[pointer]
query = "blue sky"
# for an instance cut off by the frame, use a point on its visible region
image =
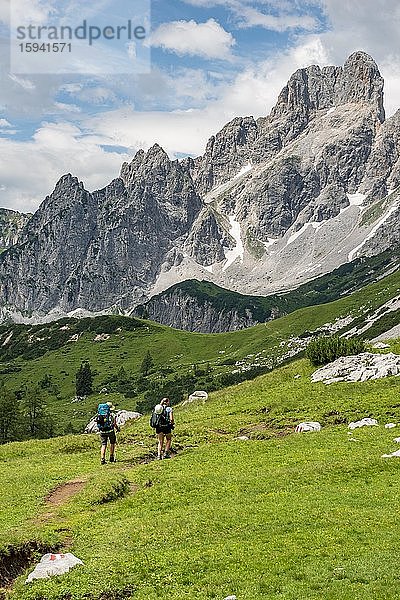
(211, 60)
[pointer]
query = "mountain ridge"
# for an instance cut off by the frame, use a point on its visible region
(203, 307)
(272, 204)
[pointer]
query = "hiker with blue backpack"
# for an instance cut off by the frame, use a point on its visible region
(162, 420)
(107, 426)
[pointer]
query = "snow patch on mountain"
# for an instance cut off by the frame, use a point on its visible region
(224, 187)
(244, 170)
(330, 112)
(238, 250)
(356, 199)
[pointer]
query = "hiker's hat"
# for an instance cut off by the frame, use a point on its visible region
(111, 405)
(158, 409)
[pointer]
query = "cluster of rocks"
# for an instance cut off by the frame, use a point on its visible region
(361, 367)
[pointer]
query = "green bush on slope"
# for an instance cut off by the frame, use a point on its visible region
(326, 349)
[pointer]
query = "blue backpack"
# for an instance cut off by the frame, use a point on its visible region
(104, 419)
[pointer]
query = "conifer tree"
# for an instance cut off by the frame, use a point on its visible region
(10, 416)
(38, 423)
(147, 364)
(84, 380)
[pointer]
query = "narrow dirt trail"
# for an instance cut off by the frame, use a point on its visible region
(59, 496)
(64, 492)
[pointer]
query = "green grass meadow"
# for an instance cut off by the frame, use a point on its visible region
(280, 516)
(179, 350)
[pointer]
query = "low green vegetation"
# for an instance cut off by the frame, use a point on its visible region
(326, 349)
(377, 209)
(277, 515)
(135, 362)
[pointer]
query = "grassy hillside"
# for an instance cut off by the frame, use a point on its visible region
(277, 516)
(29, 353)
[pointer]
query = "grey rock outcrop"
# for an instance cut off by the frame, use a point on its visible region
(208, 240)
(226, 153)
(361, 367)
(11, 225)
(176, 308)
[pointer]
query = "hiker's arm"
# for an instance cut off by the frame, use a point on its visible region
(171, 417)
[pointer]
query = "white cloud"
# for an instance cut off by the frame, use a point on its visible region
(26, 84)
(67, 107)
(25, 11)
(29, 170)
(247, 15)
(208, 40)
(251, 17)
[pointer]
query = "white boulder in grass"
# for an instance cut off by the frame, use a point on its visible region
(390, 425)
(392, 455)
(308, 426)
(53, 564)
(367, 422)
(121, 417)
(198, 395)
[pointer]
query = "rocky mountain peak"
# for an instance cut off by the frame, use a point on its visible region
(312, 88)
(263, 209)
(361, 81)
(67, 181)
(154, 161)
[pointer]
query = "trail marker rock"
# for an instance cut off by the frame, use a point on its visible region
(53, 564)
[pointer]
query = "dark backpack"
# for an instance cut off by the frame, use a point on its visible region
(159, 420)
(104, 419)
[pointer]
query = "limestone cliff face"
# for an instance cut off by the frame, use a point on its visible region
(177, 308)
(11, 225)
(272, 203)
(308, 92)
(97, 250)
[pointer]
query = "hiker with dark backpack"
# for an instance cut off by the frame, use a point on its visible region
(107, 425)
(162, 420)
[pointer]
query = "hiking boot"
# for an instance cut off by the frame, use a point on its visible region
(159, 457)
(113, 459)
(167, 455)
(103, 461)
